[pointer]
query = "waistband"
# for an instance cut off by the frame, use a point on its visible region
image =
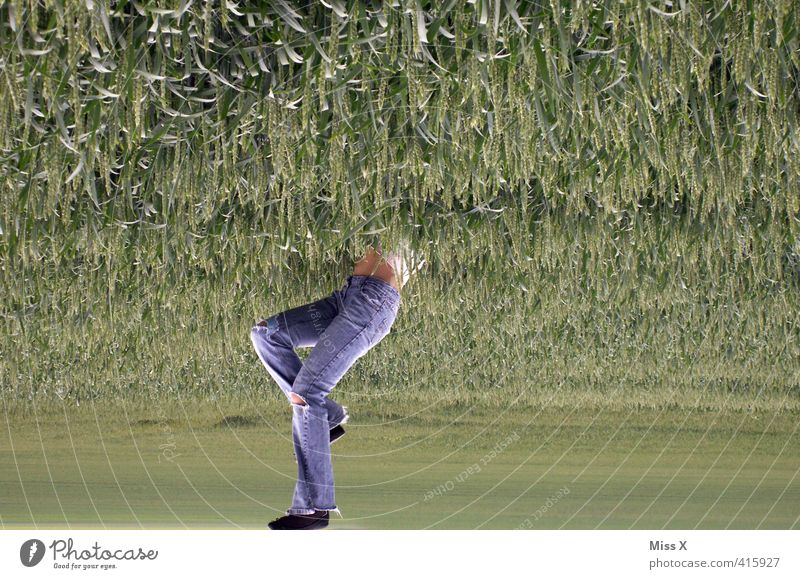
(386, 289)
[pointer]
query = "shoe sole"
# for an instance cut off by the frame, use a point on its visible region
(336, 433)
(315, 526)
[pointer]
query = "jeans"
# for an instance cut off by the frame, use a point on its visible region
(341, 328)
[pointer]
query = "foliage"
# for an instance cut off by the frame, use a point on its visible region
(604, 165)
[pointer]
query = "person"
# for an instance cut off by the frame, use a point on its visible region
(340, 328)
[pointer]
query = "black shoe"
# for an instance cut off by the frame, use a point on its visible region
(319, 520)
(336, 433)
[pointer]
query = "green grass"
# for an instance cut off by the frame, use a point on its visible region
(185, 466)
(638, 340)
(159, 141)
(604, 200)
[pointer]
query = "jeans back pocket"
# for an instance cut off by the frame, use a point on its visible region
(372, 295)
(382, 326)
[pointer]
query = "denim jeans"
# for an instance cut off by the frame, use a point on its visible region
(341, 328)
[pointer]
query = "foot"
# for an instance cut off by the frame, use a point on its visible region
(336, 433)
(319, 520)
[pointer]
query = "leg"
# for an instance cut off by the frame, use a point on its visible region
(348, 337)
(275, 338)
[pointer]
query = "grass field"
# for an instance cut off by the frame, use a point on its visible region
(231, 466)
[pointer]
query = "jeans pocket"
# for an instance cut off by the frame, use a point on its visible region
(382, 327)
(371, 295)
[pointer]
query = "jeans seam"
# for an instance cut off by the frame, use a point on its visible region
(389, 296)
(385, 287)
(389, 309)
(380, 309)
(288, 331)
(304, 445)
(388, 292)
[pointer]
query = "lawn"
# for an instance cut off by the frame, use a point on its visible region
(215, 465)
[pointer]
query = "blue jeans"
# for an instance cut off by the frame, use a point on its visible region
(341, 328)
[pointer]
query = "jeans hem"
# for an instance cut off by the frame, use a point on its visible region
(312, 511)
(299, 511)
